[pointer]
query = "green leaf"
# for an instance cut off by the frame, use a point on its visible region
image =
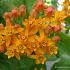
(63, 64)
(64, 53)
(67, 20)
(54, 3)
(24, 63)
(29, 4)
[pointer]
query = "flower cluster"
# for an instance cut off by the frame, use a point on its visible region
(66, 7)
(36, 37)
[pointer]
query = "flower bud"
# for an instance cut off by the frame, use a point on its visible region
(57, 28)
(14, 13)
(56, 39)
(49, 11)
(40, 5)
(1, 27)
(22, 10)
(33, 13)
(6, 15)
(16, 26)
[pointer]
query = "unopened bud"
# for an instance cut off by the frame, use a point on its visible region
(14, 13)
(22, 10)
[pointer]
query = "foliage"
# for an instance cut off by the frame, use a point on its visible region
(64, 48)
